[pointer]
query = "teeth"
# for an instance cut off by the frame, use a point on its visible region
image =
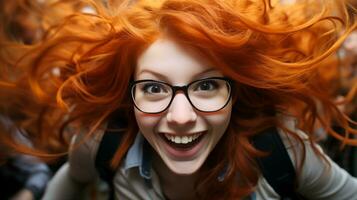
(195, 136)
(177, 139)
(189, 139)
(183, 139)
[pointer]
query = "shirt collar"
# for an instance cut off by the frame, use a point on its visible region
(139, 156)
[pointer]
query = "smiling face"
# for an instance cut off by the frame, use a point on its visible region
(181, 135)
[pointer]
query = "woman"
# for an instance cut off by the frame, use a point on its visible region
(193, 81)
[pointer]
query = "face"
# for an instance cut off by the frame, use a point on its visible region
(182, 136)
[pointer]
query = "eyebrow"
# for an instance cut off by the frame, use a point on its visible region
(164, 78)
(211, 69)
(158, 75)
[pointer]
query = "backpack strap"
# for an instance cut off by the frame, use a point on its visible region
(277, 167)
(107, 148)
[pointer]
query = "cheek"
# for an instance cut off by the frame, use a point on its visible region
(219, 121)
(146, 122)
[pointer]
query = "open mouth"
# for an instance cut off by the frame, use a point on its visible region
(182, 143)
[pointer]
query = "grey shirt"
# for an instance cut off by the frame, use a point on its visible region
(136, 180)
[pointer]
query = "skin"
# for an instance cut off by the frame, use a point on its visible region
(169, 62)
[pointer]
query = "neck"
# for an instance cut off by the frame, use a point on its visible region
(174, 186)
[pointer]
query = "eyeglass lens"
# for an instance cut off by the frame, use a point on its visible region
(206, 95)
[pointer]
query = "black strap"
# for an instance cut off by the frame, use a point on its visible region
(107, 148)
(277, 168)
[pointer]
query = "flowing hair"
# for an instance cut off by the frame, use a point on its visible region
(275, 53)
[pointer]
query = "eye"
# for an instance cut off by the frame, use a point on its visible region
(154, 88)
(206, 85)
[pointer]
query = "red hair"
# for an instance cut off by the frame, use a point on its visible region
(273, 52)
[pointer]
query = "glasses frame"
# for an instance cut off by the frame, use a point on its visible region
(183, 88)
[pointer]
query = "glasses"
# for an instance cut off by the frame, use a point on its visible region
(206, 95)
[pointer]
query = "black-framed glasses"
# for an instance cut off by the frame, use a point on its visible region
(206, 95)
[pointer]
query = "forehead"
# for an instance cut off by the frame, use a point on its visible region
(166, 59)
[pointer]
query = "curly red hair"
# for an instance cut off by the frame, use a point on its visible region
(274, 52)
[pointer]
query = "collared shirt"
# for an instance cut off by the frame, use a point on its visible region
(138, 162)
(139, 156)
(136, 180)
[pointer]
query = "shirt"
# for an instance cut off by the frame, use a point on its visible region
(136, 180)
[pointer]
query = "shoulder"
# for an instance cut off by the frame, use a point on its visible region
(319, 177)
(130, 185)
(82, 155)
(131, 180)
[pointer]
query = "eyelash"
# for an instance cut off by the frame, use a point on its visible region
(211, 83)
(147, 86)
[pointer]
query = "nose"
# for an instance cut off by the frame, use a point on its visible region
(181, 111)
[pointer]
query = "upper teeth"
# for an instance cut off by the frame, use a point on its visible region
(182, 139)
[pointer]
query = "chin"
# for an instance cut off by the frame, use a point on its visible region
(184, 167)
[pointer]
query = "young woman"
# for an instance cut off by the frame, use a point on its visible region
(192, 82)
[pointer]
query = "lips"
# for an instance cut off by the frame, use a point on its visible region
(183, 145)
